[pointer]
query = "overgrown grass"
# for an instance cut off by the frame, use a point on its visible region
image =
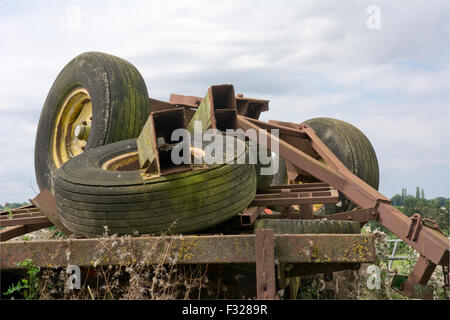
(167, 279)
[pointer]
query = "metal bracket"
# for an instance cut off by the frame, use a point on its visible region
(265, 264)
(414, 227)
(359, 215)
(415, 285)
(249, 215)
(155, 144)
(217, 109)
(248, 107)
(288, 198)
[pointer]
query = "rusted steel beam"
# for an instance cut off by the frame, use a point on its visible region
(298, 248)
(321, 149)
(360, 215)
(306, 211)
(21, 215)
(155, 142)
(250, 107)
(429, 242)
(29, 208)
(335, 163)
(12, 232)
(249, 215)
(217, 110)
(432, 244)
(46, 203)
(158, 105)
(24, 221)
(265, 264)
(314, 167)
(185, 100)
(269, 126)
(415, 285)
(295, 198)
(306, 187)
(422, 272)
(301, 186)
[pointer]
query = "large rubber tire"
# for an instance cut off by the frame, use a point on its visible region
(89, 197)
(298, 226)
(352, 148)
(120, 106)
(263, 181)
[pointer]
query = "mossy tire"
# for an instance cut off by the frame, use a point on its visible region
(300, 226)
(352, 148)
(120, 106)
(263, 181)
(89, 197)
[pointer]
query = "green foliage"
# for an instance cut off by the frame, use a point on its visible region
(436, 209)
(397, 200)
(13, 205)
(28, 286)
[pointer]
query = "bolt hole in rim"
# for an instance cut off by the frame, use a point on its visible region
(72, 126)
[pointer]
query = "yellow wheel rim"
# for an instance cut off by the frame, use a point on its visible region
(72, 126)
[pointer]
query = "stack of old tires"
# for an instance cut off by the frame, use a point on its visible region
(86, 155)
(87, 131)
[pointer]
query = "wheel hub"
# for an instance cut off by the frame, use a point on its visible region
(72, 126)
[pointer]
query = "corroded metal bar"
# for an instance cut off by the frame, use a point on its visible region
(46, 203)
(429, 242)
(265, 264)
(155, 142)
(295, 198)
(21, 215)
(295, 248)
(12, 232)
(249, 215)
(420, 275)
(23, 221)
(360, 215)
(217, 109)
(24, 209)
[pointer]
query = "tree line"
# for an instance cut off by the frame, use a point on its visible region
(436, 209)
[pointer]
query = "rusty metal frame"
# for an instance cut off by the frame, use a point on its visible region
(359, 215)
(249, 107)
(288, 198)
(217, 109)
(28, 218)
(249, 215)
(428, 242)
(192, 249)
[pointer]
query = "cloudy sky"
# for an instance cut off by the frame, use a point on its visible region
(388, 77)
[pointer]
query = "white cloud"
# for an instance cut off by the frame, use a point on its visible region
(310, 59)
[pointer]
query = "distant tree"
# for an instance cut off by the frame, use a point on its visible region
(397, 200)
(422, 196)
(441, 201)
(417, 193)
(410, 205)
(12, 205)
